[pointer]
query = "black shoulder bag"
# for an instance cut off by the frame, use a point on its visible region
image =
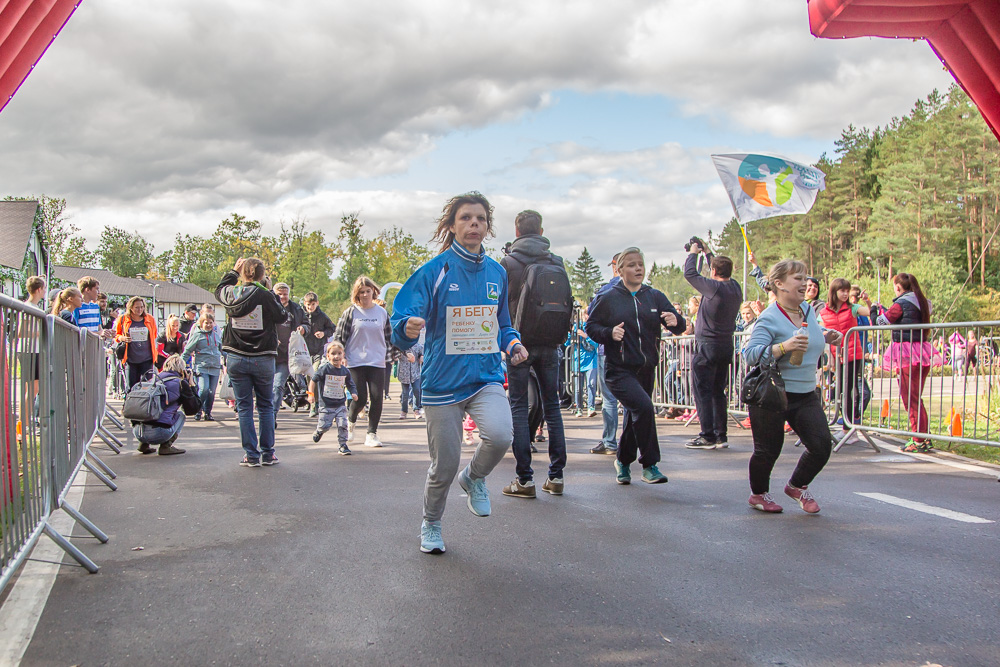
(764, 387)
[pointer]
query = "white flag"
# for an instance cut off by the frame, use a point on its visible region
(763, 186)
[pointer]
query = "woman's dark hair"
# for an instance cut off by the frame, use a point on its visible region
(443, 233)
(837, 284)
(909, 283)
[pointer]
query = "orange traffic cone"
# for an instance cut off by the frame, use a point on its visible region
(885, 410)
(956, 425)
(19, 430)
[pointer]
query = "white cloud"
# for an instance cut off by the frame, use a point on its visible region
(166, 118)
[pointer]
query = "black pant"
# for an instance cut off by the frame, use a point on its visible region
(136, 371)
(858, 392)
(710, 376)
(370, 381)
(633, 387)
(805, 415)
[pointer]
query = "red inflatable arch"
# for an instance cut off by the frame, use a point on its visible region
(965, 35)
(27, 27)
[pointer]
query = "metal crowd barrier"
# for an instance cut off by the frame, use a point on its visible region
(48, 424)
(923, 381)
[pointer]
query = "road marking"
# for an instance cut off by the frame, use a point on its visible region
(24, 606)
(926, 509)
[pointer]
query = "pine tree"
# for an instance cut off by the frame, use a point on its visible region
(586, 276)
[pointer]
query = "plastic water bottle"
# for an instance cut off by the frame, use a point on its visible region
(795, 358)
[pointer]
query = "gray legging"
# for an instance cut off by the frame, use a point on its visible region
(370, 381)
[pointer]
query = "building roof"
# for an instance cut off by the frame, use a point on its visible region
(166, 291)
(16, 224)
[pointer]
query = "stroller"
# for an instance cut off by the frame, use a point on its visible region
(295, 393)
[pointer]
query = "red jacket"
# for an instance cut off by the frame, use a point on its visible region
(842, 321)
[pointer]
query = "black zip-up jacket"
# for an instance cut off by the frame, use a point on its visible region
(641, 314)
(254, 302)
(318, 321)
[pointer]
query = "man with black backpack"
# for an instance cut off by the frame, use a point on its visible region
(541, 305)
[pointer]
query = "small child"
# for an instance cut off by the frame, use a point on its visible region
(469, 427)
(329, 381)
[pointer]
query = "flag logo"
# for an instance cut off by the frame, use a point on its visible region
(763, 186)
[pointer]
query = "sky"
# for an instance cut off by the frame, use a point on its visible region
(166, 118)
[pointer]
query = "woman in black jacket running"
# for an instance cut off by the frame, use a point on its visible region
(626, 320)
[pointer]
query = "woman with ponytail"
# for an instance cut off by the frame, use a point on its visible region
(910, 353)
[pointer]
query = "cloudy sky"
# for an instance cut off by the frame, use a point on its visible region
(167, 117)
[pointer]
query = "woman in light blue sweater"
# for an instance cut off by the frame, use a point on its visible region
(788, 332)
(204, 343)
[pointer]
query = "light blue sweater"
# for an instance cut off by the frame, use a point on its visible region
(771, 328)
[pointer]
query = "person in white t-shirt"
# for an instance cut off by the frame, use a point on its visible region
(364, 332)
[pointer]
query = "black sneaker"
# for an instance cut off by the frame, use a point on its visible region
(197, 417)
(699, 443)
(317, 435)
(270, 460)
(344, 451)
(209, 418)
(601, 448)
(534, 450)
(248, 462)
(722, 443)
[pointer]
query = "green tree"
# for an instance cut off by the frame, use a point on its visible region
(77, 253)
(304, 261)
(351, 249)
(586, 276)
(124, 254)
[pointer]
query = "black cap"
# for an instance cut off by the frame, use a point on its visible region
(191, 307)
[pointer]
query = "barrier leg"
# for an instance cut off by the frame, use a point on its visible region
(69, 548)
(102, 465)
(114, 420)
(100, 475)
(737, 420)
(85, 522)
(110, 440)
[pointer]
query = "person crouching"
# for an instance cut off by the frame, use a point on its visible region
(167, 427)
(327, 390)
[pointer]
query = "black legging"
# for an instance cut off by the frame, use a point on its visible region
(136, 371)
(805, 415)
(370, 381)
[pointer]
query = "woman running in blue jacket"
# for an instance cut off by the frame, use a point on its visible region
(460, 296)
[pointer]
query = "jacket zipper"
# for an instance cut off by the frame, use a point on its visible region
(635, 303)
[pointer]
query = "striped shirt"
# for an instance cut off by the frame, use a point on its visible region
(88, 316)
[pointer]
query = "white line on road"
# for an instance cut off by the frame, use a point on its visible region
(926, 509)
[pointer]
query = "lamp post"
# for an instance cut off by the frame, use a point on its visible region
(878, 278)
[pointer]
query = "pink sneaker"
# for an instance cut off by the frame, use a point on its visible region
(803, 498)
(745, 423)
(765, 503)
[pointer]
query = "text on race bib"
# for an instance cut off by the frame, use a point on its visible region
(138, 334)
(472, 330)
(252, 321)
(333, 387)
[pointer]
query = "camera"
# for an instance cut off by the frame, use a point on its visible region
(695, 239)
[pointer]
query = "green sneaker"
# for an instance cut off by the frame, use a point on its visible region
(624, 476)
(652, 475)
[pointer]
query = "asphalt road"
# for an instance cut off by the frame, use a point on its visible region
(316, 562)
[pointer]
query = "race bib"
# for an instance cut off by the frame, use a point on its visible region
(472, 330)
(139, 334)
(252, 321)
(333, 388)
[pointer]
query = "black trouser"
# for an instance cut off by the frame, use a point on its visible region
(710, 376)
(858, 394)
(805, 415)
(136, 371)
(370, 381)
(535, 410)
(633, 387)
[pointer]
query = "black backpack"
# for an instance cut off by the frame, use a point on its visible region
(545, 306)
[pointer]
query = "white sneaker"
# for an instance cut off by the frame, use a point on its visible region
(350, 432)
(371, 440)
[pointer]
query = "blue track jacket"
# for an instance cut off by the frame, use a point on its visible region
(451, 285)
